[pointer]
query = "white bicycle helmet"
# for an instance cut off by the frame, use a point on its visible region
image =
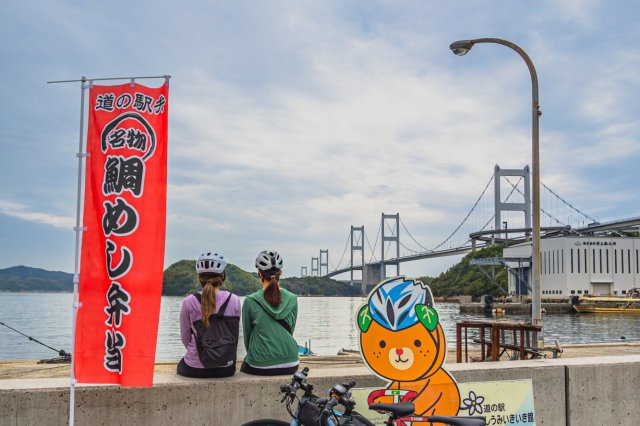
(211, 262)
(268, 259)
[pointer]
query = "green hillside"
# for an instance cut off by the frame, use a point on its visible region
(465, 279)
(181, 278)
(319, 286)
(24, 278)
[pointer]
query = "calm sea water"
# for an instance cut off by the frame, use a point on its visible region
(327, 322)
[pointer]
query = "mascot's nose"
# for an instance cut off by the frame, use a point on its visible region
(399, 352)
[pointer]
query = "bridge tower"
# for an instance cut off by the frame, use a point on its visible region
(324, 262)
(303, 271)
(357, 245)
(524, 207)
(314, 267)
(392, 222)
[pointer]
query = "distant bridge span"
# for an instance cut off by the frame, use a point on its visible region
(483, 225)
(409, 258)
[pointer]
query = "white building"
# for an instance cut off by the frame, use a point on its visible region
(569, 266)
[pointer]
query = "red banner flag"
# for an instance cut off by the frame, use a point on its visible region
(123, 246)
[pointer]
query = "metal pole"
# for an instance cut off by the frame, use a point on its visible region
(76, 274)
(383, 267)
(536, 306)
(506, 234)
(83, 79)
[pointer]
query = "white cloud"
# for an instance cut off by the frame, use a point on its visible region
(291, 122)
(23, 212)
(581, 12)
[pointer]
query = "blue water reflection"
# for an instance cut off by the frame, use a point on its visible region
(327, 322)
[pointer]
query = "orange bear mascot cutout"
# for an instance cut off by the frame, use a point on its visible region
(402, 341)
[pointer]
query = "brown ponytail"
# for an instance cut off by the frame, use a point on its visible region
(272, 290)
(210, 283)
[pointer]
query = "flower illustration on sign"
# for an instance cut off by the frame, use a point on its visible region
(473, 403)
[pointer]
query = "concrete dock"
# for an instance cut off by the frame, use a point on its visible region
(588, 385)
(30, 369)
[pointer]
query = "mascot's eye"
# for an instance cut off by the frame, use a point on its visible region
(417, 343)
(383, 343)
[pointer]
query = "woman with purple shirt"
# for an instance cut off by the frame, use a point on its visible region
(210, 268)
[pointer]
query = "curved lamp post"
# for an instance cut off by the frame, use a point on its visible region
(461, 48)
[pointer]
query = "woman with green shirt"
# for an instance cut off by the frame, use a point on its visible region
(268, 320)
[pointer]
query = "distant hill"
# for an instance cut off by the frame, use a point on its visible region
(24, 278)
(181, 278)
(319, 286)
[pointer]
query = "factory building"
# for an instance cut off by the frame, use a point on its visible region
(599, 266)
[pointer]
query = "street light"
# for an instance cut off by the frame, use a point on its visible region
(461, 48)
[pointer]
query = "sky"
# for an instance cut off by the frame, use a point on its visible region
(290, 121)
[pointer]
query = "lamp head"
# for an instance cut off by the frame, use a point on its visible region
(461, 47)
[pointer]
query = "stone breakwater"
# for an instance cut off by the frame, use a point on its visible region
(583, 390)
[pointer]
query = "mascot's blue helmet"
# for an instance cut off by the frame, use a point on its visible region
(392, 304)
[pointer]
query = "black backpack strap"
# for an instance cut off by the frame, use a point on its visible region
(222, 308)
(282, 322)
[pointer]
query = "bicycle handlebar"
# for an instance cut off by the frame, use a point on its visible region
(297, 382)
(339, 395)
(326, 412)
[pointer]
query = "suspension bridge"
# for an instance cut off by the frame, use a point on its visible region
(482, 225)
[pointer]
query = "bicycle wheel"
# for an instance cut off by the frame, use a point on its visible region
(267, 422)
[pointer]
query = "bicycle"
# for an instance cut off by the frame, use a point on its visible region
(308, 408)
(316, 411)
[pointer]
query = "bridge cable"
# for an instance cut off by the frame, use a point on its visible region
(541, 209)
(568, 203)
(488, 222)
(456, 230)
(410, 249)
(389, 242)
(565, 203)
(414, 240)
(388, 248)
(466, 217)
(343, 253)
(329, 261)
(373, 250)
(493, 216)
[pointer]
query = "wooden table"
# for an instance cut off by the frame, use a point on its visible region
(497, 338)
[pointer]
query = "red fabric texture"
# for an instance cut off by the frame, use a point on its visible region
(122, 256)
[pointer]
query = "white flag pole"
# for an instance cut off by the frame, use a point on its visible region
(76, 274)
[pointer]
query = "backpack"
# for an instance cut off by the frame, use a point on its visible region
(217, 345)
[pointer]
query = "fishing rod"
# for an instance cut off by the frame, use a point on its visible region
(62, 353)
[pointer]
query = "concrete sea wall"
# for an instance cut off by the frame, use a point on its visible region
(574, 391)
